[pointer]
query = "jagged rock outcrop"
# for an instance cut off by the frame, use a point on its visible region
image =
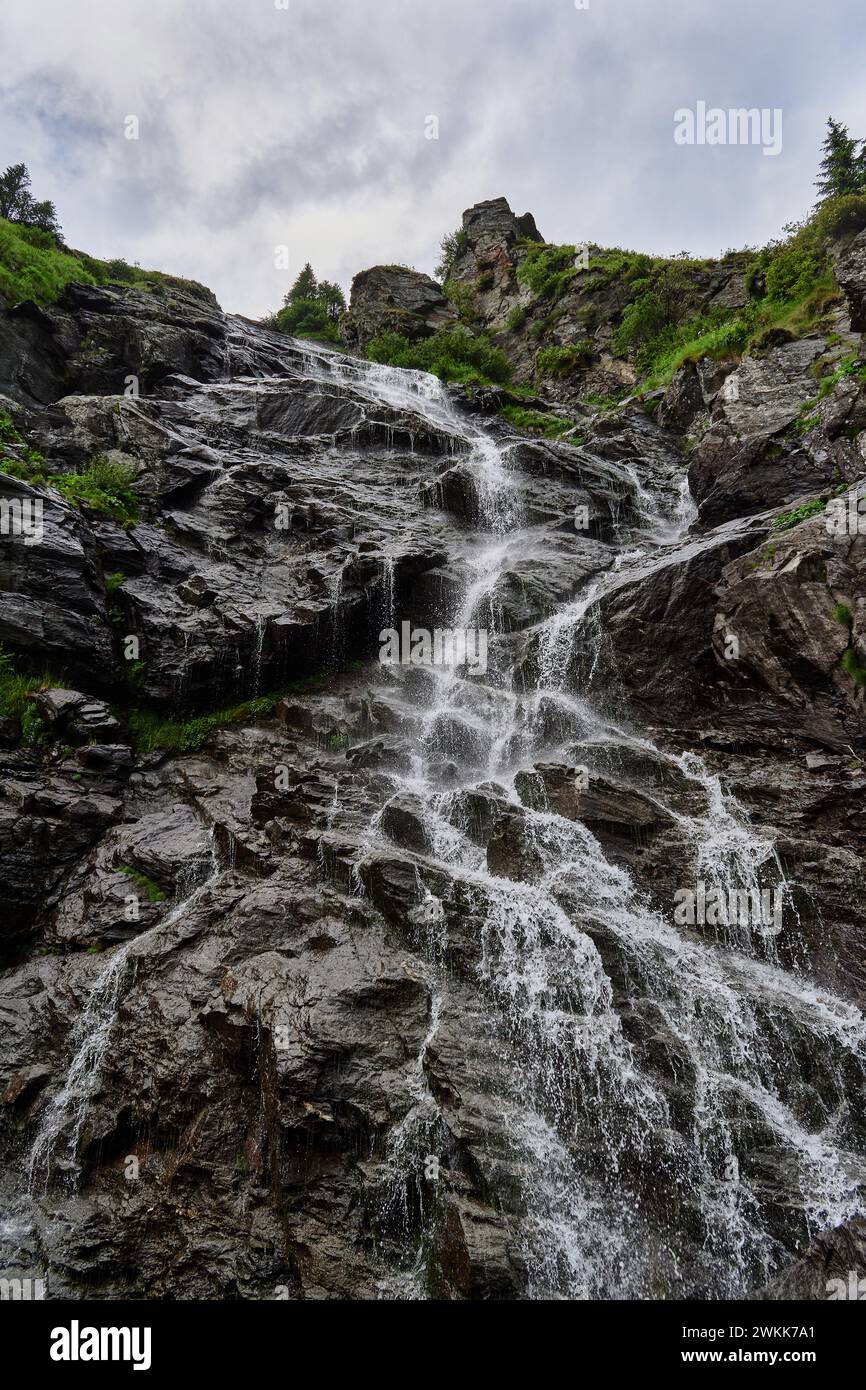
(761, 448)
(95, 339)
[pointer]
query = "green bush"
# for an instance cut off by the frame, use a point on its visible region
(664, 299)
(789, 519)
(307, 318)
(451, 247)
(105, 485)
(538, 422)
(449, 354)
(15, 688)
(841, 216)
(796, 266)
(562, 361)
(462, 297)
(547, 270)
(852, 665)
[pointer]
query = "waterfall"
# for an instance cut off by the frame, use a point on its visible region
(66, 1114)
(759, 1056)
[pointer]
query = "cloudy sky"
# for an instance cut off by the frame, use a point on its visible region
(304, 123)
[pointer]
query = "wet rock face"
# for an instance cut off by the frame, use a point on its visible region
(96, 338)
(745, 463)
(834, 1268)
(375, 990)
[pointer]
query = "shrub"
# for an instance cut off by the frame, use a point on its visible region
(104, 486)
(562, 361)
(851, 664)
(538, 422)
(666, 298)
(796, 266)
(306, 318)
(15, 688)
(842, 216)
(842, 613)
(462, 297)
(789, 519)
(449, 354)
(516, 318)
(451, 247)
(547, 270)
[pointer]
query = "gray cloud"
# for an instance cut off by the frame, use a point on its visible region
(305, 126)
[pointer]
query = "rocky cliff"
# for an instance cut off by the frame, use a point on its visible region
(329, 978)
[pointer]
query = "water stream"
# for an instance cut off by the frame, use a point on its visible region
(674, 1112)
(761, 1070)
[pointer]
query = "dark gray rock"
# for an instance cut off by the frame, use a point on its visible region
(394, 299)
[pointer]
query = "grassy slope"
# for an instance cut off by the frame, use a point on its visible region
(34, 266)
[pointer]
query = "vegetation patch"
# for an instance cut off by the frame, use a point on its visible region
(852, 665)
(547, 270)
(152, 732)
(152, 890)
(789, 519)
(34, 264)
(16, 687)
(452, 246)
(539, 422)
(311, 309)
(563, 361)
(462, 296)
(104, 486)
(450, 354)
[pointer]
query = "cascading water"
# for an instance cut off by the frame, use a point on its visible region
(65, 1117)
(578, 964)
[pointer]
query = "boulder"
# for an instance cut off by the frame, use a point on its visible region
(394, 299)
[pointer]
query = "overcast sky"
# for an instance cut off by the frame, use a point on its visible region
(306, 126)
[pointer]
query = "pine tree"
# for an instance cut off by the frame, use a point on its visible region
(332, 299)
(843, 166)
(14, 191)
(17, 204)
(305, 287)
